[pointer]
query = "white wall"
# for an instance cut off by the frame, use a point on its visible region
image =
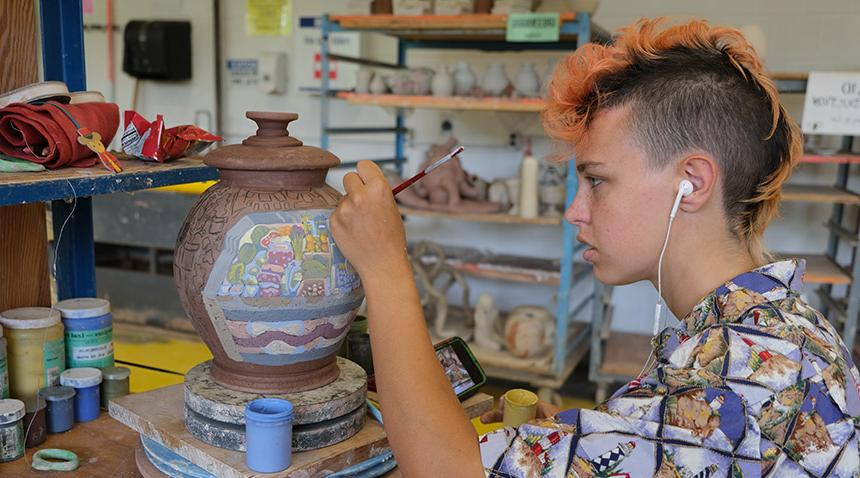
(801, 36)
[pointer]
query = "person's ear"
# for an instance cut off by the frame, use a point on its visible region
(701, 170)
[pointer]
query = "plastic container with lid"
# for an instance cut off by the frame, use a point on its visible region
(85, 381)
(60, 412)
(36, 354)
(88, 327)
(34, 421)
(4, 368)
(11, 429)
(114, 384)
(269, 434)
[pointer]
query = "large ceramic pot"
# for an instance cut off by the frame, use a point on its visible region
(256, 267)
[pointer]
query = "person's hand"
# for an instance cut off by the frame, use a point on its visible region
(544, 410)
(366, 226)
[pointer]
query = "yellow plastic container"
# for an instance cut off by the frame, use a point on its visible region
(36, 350)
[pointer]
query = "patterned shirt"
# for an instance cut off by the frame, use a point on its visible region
(754, 382)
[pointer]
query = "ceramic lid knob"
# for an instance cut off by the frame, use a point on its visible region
(271, 129)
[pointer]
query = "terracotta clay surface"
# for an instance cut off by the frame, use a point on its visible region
(257, 270)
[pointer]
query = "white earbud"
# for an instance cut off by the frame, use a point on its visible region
(685, 188)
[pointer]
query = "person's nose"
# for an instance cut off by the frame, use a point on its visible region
(579, 213)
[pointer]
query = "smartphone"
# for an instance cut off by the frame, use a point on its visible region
(460, 365)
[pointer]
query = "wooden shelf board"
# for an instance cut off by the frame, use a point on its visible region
(503, 267)
(830, 159)
(497, 218)
(464, 103)
(625, 354)
(818, 193)
(394, 23)
(21, 188)
(503, 361)
(820, 269)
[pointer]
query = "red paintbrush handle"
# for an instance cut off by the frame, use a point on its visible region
(408, 182)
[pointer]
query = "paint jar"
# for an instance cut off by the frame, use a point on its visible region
(60, 412)
(4, 368)
(35, 430)
(114, 384)
(360, 351)
(89, 332)
(36, 353)
(85, 381)
(269, 434)
(11, 429)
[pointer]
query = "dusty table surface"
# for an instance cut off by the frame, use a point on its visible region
(104, 446)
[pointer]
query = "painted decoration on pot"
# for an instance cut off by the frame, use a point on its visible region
(287, 264)
(257, 270)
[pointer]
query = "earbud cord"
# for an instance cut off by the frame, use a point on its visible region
(658, 309)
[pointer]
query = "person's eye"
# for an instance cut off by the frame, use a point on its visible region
(594, 182)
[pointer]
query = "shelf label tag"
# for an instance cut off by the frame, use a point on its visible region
(832, 104)
(533, 27)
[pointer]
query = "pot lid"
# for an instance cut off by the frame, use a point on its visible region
(271, 148)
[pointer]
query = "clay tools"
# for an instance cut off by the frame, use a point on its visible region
(427, 170)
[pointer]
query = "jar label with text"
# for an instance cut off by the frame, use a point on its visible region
(4, 378)
(90, 348)
(54, 360)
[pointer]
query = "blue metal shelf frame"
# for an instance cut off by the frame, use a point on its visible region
(582, 28)
(63, 60)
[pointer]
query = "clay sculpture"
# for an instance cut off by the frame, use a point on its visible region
(448, 188)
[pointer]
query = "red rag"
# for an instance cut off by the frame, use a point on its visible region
(44, 134)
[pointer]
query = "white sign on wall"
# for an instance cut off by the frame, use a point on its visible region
(307, 66)
(832, 104)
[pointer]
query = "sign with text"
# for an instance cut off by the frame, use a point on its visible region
(533, 27)
(832, 104)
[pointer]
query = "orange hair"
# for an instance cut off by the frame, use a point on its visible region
(597, 77)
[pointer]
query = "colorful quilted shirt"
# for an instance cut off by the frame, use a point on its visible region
(754, 382)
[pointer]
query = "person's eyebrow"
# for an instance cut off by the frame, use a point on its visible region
(583, 166)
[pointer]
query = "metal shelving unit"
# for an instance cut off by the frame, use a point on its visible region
(481, 32)
(70, 190)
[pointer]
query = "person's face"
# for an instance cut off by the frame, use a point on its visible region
(622, 205)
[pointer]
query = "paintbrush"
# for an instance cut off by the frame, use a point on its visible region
(427, 170)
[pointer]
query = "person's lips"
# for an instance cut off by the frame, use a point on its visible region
(590, 250)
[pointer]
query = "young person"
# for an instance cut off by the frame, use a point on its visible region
(753, 382)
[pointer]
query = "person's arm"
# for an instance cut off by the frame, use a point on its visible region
(426, 425)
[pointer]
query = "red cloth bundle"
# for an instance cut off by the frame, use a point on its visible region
(44, 134)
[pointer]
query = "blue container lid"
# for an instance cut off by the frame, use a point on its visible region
(83, 308)
(269, 410)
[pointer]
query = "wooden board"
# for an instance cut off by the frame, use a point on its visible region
(20, 188)
(625, 354)
(820, 269)
(464, 103)
(477, 21)
(158, 414)
(818, 193)
(23, 234)
(497, 218)
(104, 446)
(830, 159)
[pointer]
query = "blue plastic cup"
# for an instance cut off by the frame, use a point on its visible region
(269, 434)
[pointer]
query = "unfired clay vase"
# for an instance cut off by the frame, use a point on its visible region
(378, 86)
(464, 79)
(527, 83)
(256, 268)
(443, 83)
(495, 80)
